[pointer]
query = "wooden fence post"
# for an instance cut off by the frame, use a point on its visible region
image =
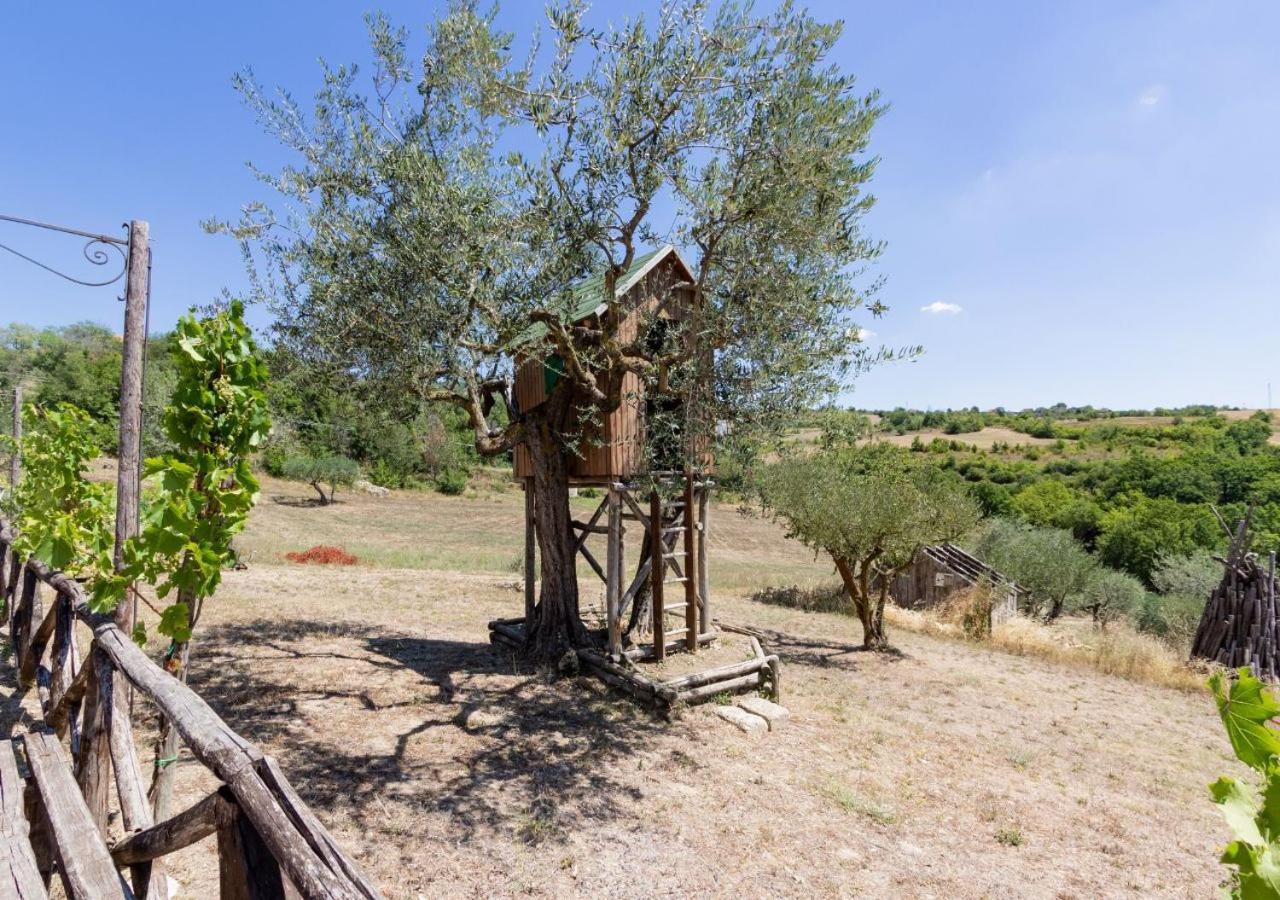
(246, 868)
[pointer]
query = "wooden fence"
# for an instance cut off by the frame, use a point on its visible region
(269, 843)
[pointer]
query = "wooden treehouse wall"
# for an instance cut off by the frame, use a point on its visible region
(614, 450)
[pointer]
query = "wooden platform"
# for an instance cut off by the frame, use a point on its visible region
(761, 671)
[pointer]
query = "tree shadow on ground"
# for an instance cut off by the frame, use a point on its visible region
(819, 652)
(362, 718)
(301, 502)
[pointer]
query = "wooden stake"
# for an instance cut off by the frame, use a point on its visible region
(691, 630)
(704, 588)
(657, 573)
(613, 585)
(530, 554)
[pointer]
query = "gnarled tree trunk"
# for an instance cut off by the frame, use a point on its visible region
(557, 624)
(870, 610)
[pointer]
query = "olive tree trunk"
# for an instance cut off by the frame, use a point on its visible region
(870, 609)
(557, 625)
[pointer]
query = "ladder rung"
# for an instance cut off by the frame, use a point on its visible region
(675, 530)
(679, 632)
(675, 581)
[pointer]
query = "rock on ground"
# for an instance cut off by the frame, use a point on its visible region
(776, 716)
(743, 720)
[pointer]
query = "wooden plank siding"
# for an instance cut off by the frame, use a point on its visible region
(616, 449)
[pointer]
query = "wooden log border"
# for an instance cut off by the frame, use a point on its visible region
(759, 672)
(261, 822)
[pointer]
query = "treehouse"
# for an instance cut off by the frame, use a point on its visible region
(662, 593)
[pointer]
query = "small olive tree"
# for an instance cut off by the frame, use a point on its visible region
(1048, 563)
(1110, 594)
(871, 511)
(318, 471)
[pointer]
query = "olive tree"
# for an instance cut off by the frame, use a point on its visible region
(318, 471)
(1108, 595)
(1048, 563)
(434, 219)
(871, 511)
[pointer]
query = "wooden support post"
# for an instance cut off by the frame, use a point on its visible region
(657, 574)
(93, 765)
(137, 294)
(530, 555)
(613, 585)
(704, 589)
(246, 868)
(148, 877)
(691, 631)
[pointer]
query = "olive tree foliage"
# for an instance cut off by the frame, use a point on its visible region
(435, 216)
(318, 471)
(1048, 563)
(1109, 594)
(871, 510)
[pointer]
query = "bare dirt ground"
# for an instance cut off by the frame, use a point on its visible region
(451, 770)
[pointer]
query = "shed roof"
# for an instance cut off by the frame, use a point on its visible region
(967, 566)
(588, 294)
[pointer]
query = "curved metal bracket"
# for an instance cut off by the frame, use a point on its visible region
(94, 250)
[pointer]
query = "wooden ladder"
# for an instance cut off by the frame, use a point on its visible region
(676, 567)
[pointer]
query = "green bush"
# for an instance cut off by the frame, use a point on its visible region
(452, 481)
(1173, 617)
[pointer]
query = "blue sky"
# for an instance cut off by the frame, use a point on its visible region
(1094, 186)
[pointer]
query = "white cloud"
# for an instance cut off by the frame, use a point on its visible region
(938, 308)
(865, 335)
(1152, 95)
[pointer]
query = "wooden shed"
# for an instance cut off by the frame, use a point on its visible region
(657, 283)
(940, 571)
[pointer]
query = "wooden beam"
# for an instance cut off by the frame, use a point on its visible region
(192, 824)
(530, 553)
(36, 644)
(20, 876)
(593, 562)
(83, 861)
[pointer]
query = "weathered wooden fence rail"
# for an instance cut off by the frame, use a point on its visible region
(270, 844)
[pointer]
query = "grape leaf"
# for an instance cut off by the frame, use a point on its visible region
(1245, 708)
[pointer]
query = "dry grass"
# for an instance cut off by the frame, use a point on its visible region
(449, 769)
(1117, 650)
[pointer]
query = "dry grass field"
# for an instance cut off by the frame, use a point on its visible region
(450, 770)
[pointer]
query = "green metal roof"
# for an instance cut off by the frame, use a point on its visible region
(588, 294)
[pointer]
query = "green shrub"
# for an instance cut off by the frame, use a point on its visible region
(452, 481)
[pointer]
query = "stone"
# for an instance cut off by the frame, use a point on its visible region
(479, 719)
(777, 716)
(744, 721)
